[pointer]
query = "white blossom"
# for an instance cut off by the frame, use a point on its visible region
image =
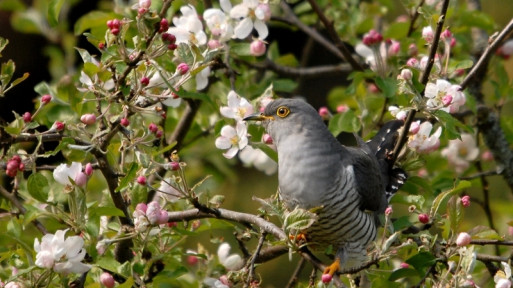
(445, 96)
(218, 21)
(61, 255)
(63, 173)
(229, 261)
(252, 14)
(424, 141)
(460, 152)
(233, 139)
(188, 28)
(238, 107)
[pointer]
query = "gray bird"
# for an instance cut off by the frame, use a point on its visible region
(347, 186)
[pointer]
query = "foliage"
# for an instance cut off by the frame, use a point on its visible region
(118, 171)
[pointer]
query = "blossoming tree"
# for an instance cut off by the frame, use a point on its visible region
(128, 173)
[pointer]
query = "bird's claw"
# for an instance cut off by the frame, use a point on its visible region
(333, 268)
(298, 238)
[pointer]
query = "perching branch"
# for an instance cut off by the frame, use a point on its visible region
(14, 200)
(303, 72)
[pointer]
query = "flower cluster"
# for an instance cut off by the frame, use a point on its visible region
(63, 173)
(62, 255)
(149, 214)
(375, 51)
(460, 153)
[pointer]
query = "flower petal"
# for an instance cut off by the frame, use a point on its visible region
(243, 29)
(261, 28)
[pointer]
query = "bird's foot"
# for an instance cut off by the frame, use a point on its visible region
(329, 271)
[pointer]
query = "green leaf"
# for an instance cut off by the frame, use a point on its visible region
(387, 85)
(401, 223)
(3, 44)
(421, 261)
(485, 233)
(403, 273)
(185, 53)
(105, 211)
(91, 20)
(284, 85)
(129, 283)
(241, 49)
(169, 277)
(37, 186)
(130, 176)
(465, 64)
(125, 269)
(397, 30)
(451, 125)
(442, 197)
(7, 71)
(344, 122)
(299, 219)
(194, 95)
(54, 10)
(455, 212)
(20, 79)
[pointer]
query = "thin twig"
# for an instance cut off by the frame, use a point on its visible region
(414, 18)
(424, 80)
(334, 36)
(492, 242)
(14, 200)
(295, 276)
(304, 72)
(251, 275)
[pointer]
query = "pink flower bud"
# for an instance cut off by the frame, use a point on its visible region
(163, 217)
(164, 25)
(412, 49)
(175, 166)
(145, 4)
(114, 31)
(446, 34)
(21, 167)
(401, 115)
(159, 133)
(324, 112)
(266, 11)
(257, 48)
(80, 179)
(373, 88)
(394, 48)
(487, 156)
(406, 74)
(153, 128)
(182, 68)
(124, 122)
(213, 44)
(172, 46)
(326, 278)
(267, 139)
(45, 99)
(101, 247)
(342, 108)
(412, 62)
(107, 280)
(58, 125)
(453, 42)
(465, 201)
(88, 119)
(141, 207)
(192, 260)
(88, 169)
(415, 127)
(463, 239)
(145, 81)
(141, 180)
(447, 100)
(423, 218)
(27, 117)
(404, 265)
(389, 211)
(427, 34)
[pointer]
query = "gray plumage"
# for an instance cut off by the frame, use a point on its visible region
(346, 185)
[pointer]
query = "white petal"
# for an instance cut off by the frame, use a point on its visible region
(231, 152)
(73, 246)
(261, 28)
(223, 143)
(223, 251)
(233, 262)
(60, 174)
(243, 29)
(363, 50)
(226, 5)
(228, 131)
(202, 78)
(227, 112)
(239, 11)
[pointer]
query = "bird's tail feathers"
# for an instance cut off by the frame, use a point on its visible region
(381, 145)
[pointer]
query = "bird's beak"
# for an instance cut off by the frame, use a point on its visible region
(258, 117)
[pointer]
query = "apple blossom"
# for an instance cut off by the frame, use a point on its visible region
(428, 34)
(233, 139)
(188, 28)
(463, 239)
(45, 99)
(258, 159)
(460, 152)
(63, 173)
(238, 107)
(218, 22)
(423, 218)
(438, 96)
(465, 201)
(424, 141)
(251, 15)
(61, 255)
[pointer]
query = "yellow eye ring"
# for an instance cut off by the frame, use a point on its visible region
(282, 111)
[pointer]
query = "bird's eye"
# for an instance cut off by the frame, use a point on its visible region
(282, 111)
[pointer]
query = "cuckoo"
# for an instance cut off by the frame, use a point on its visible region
(347, 187)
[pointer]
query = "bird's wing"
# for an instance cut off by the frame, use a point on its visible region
(368, 180)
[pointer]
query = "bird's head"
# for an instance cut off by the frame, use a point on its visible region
(284, 117)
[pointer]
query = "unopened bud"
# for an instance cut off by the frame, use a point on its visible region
(463, 239)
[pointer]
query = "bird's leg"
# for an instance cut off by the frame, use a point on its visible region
(298, 238)
(333, 268)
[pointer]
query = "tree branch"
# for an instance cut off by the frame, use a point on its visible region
(14, 200)
(304, 72)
